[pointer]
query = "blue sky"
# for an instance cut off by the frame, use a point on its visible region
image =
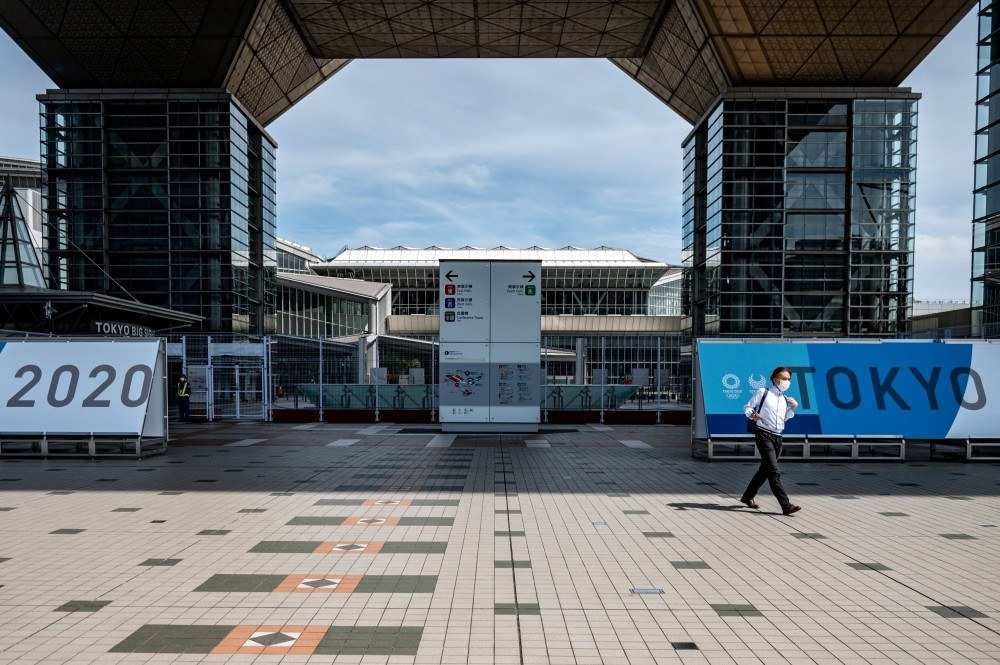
(534, 152)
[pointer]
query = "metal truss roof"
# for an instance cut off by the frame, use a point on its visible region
(271, 53)
(430, 256)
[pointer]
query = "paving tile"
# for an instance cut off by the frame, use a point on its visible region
(397, 584)
(160, 562)
(370, 641)
(516, 608)
(690, 565)
(857, 565)
(339, 502)
(315, 520)
(566, 497)
(286, 546)
(172, 638)
(232, 583)
(956, 612)
(426, 521)
(435, 502)
(737, 609)
(82, 605)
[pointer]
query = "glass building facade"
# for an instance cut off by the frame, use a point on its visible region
(574, 281)
(165, 197)
(985, 296)
(665, 297)
(798, 216)
(295, 258)
(303, 312)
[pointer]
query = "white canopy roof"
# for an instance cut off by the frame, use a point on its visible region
(430, 256)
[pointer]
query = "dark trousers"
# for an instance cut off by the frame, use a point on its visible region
(184, 407)
(769, 446)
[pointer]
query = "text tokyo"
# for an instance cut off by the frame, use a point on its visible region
(935, 385)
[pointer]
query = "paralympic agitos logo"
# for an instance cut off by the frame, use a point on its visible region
(847, 387)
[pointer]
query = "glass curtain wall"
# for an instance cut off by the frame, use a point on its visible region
(883, 222)
(815, 269)
(304, 313)
(173, 199)
(579, 291)
(805, 227)
(985, 296)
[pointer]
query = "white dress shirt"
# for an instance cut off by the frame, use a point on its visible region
(775, 411)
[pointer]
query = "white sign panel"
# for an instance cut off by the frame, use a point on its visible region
(516, 302)
(75, 387)
(515, 375)
(465, 301)
(490, 342)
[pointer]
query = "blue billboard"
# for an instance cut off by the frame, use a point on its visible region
(915, 389)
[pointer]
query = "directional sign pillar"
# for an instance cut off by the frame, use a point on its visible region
(490, 370)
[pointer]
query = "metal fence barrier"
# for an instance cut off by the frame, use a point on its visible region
(807, 447)
(278, 377)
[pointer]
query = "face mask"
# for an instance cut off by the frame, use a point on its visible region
(784, 385)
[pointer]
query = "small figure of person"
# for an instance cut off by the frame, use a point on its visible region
(769, 409)
(184, 398)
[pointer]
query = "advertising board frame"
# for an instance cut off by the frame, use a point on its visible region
(844, 445)
(151, 437)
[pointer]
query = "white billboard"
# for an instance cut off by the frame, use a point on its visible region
(82, 387)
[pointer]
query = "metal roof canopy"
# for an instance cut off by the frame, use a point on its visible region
(430, 256)
(352, 289)
(271, 53)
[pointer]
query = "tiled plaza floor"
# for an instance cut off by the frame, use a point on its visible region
(397, 544)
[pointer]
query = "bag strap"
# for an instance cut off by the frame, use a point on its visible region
(761, 404)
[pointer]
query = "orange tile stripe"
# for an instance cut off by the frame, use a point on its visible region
(235, 641)
(291, 583)
(327, 547)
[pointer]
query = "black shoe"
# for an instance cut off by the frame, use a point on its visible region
(750, 503)
(789, 509)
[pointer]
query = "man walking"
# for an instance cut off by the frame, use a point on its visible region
(184, 398)
(768, 410)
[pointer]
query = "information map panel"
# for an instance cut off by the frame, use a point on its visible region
(490, 342)
(915, 389)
